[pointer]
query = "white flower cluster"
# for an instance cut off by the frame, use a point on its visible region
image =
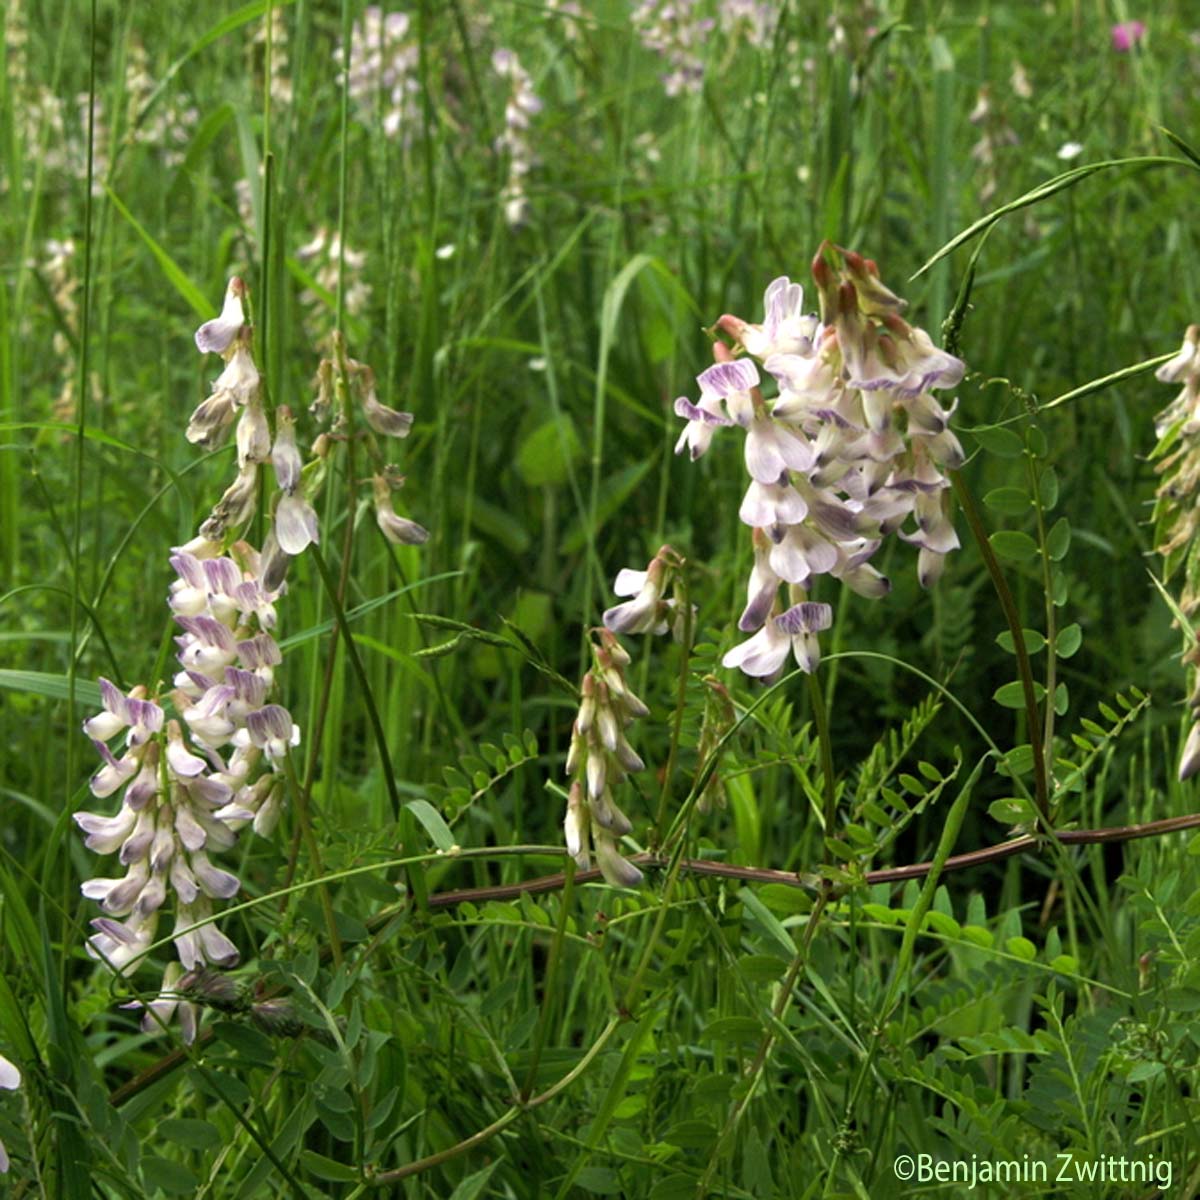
(191, 782)
(382, 78)
(599, 759)
(853, 446)
(675, 31)
(522, 104)
(1177, 510)
(238, 390)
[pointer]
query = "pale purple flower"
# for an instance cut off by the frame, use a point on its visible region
(763, 655)
(105, 834)
(236, 505)
(114, 774)
(731, 383)
(786, 328)
(853, 568)
(217, 335)
(211, 421)
(810, 392)
(795, 630)
(641, 614)
(771, 448)
(384, 420)
(240, 381)
(271, 729)
(802, 553)
(141, 717)
(285, 455)
(253, 435)
(703, 419)
(649, 611)
(296, 525)
(1185, 361)
(158, 1013)
(772, 507)
(617, 870)
(1183, 368)
(395, 528)
(762, 587)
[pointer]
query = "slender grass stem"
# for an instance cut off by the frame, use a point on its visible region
(685, 653)
(825, 741)
(385, 757)
(304, 820)
(506, 1119)
(550, 985)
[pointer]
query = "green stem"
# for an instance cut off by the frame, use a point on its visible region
(304, 819)
(778, 1009)
(506, 1118)
(680, 698)
(1024, 667)
(1051, 619)
(550, 990)
(385, 758)
(821, 720)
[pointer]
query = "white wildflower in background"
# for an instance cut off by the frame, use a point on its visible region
(10, 1080)
(1177, 513)
(514, 140)
(677, 33)
(570, 14)
(37, 111)
(995, 134)
(1019, 81)
(382, 79)
(755, 20)
(280, 82)
(169, 126)
(59, 269)
(852, 447)
(322, 255)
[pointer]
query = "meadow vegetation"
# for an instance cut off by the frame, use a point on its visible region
(445, 850)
